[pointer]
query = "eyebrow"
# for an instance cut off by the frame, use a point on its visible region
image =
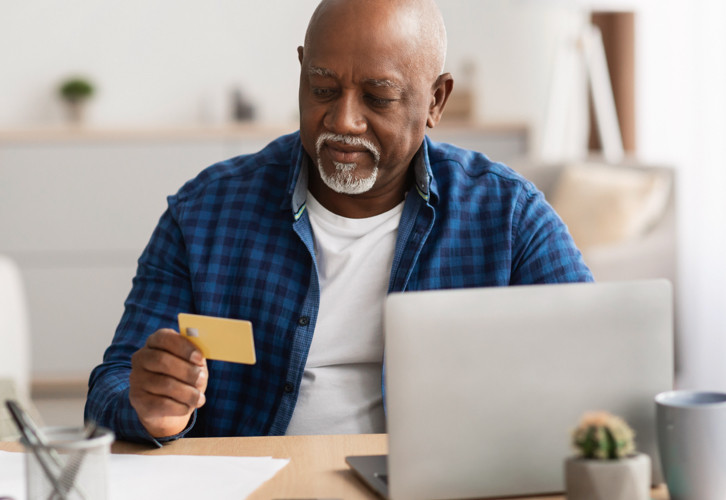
(390, 84)
(374, 82)
(317, 71)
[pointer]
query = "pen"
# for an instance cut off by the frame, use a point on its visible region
(34, 437)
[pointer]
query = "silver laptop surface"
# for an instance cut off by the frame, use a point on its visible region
(483, 386)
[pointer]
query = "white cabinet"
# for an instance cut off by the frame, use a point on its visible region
(77, 209)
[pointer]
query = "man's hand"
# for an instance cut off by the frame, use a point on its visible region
(167, 382)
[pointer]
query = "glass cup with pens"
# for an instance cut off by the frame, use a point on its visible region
(63, 463)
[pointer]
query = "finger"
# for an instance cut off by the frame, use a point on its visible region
(203, 377)
(169, 340)
(160, 390)
(152, 407)
(165, 363)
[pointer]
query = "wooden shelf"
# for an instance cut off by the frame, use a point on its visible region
(111, 134)
(56, 134)
(70, 387)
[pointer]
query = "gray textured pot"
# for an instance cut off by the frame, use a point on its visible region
(623, 479)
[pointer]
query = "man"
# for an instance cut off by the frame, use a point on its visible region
(306, 237)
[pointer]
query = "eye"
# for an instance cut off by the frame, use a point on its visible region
(379, 102)
(322, 92)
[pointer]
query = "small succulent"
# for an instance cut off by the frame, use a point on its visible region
(601, 435)
(76, 89)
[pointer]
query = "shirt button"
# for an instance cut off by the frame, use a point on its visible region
(303, 320)
(289, 387)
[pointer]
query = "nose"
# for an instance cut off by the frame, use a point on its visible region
(345, 116)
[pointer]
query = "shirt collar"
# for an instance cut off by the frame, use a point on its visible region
(298, 180)
(423, 175)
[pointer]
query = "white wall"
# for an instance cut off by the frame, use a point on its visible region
(682, 121)
(154, 62)
(162, 62)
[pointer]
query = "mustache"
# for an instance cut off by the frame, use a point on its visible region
(350, 140)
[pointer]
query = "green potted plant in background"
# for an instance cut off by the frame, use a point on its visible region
(75, 92)
(607, 466)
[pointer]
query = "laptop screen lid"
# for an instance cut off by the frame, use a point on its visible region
(484, 386)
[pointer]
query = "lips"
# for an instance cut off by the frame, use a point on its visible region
(346, 150)
(344, 153)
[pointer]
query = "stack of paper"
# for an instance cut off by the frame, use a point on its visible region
(163, 476)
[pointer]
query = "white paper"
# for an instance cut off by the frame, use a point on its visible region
(163, 476)
(12, 475)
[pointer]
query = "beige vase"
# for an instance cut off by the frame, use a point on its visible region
(622, 479)
(76, 112)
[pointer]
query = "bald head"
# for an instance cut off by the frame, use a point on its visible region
(371, 82)
(419, 22)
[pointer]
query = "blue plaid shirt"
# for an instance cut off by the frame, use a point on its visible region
(236, 242)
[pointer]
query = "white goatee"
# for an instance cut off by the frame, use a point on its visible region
(343, 180)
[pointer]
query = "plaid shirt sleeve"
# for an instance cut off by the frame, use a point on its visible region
(471, 222)
(543, 250)
(160, 289)
(224, 247)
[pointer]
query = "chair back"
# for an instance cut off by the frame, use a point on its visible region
(14, 329)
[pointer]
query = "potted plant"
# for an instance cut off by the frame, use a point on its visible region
(76, 92)
(607, 466)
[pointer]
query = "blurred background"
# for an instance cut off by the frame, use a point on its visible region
(108, 107)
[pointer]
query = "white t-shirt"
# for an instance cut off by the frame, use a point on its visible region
(340, 391)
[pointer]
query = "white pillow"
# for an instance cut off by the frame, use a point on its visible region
(606, 204)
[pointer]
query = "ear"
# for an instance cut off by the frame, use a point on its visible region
(300, 54)
(441, 91)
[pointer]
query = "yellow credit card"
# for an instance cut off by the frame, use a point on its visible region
(221, 339)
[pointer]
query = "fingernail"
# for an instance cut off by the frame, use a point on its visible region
(196, 357)
(202, 375)
(202, 400)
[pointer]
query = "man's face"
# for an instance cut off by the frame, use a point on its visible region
(364, 102)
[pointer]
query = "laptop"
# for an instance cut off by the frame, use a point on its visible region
(484, 386)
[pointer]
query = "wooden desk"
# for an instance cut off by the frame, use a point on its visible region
(317, 467)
